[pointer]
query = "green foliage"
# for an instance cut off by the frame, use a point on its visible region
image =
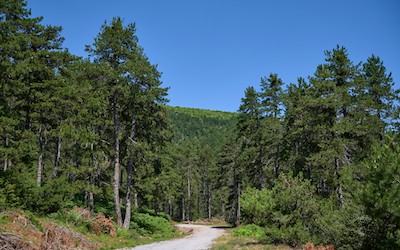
(292, 213)
(286, 211)
(293, 235)
(151, 212)
(379, 194)
(146, 224)
(8, 195)
(250, 230)
(257, 206)
(207, 126)
(342, 226)
(72, 217)
(64, 121)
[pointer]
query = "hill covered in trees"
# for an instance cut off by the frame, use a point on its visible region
(208, 127)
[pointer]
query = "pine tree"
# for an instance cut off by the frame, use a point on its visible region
(33, 57)
(250, 132)
(135, 100)
(271, 105)
(231, 172)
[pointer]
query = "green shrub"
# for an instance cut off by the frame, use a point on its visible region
(257, 206)
(379, 195)
(342, 226)
(293, 235)
(8, 195)
(287, 211)
(292, 213)
(150, 225)
(73, 217)
(153, 213)
(250, 230)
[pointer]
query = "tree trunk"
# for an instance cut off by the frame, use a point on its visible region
(277, 162)
(339, 191)
(127, 220)
(40, 158)
(188, 196)
(183, 204)
(57, 157)
(168, 207)
(183, 208)
(5, 161)
(209, 202)
(236, 187)
(260, 163)
(117, 205)
(89, 193)
(91, 202)
(92, 178)
(135, 199)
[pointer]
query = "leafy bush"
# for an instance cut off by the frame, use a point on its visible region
(342, 226)
(287, 211)
(8, 195)
(293, 234)
(379, 195)
(250, 230)
(77, 217)
(257, 206)
(152, 225)
(153, 213)
(16, 189)
(292, 213)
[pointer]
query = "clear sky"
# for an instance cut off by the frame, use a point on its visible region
(210, 50)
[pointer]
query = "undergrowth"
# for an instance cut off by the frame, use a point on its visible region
(76, 227)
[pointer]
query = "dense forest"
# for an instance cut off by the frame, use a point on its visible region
(313, 161)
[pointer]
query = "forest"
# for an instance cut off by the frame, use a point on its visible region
(312, 161)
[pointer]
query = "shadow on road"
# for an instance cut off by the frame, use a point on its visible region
(222, 227)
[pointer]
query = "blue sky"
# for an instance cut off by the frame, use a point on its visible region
(210, 50)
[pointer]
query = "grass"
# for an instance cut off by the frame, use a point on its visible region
(228, 242)
(211, 222)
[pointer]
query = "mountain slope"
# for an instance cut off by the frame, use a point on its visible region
(208, 127)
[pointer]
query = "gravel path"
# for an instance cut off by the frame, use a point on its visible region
(200, 239)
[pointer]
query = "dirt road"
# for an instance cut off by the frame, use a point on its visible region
(200, 239)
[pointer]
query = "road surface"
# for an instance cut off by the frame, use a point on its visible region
(200, 239)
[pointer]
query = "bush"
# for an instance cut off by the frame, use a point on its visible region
(293, 235)
(379, 195)
(250, 230)
(8, 195)
(342, 226)
(153, 213)
(103, 225)
(288, 211)
(292, 213)
(152, 225)
(257, 206)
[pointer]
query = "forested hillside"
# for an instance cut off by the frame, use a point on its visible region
(208, 127)
(312, 161)
(192, 190)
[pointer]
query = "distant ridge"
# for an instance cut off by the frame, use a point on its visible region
(209, 127)
(208, 112)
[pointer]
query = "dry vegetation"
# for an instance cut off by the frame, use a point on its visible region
(25, 232)
(78, 229)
